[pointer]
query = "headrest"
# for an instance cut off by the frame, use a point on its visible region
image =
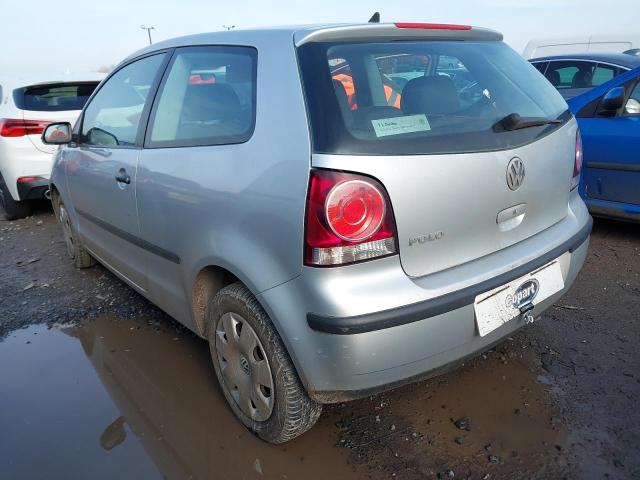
(429, 95)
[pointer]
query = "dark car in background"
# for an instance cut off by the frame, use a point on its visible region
(575, 74)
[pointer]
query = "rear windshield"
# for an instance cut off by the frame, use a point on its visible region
(422, 97)
(54, 98)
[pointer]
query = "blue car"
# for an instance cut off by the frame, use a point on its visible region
(609, 120)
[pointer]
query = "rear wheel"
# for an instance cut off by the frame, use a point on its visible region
(81, 258)
(13, 210)
(254, 370)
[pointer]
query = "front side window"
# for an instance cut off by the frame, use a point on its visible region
(421, 97)
(207, 98)
(113, 116)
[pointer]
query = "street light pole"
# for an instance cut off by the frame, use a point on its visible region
(148, 29)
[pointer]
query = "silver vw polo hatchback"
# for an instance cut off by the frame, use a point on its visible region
(338, 210)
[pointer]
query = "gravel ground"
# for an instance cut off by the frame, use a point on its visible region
(558, 400)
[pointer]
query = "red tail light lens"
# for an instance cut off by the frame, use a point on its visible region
(28, 179)
(11, 127)
(577, 165)
(349, 219)
(432, 26)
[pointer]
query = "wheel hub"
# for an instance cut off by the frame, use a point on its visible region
(244, 367)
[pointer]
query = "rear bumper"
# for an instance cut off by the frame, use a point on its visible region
(375, 328)
(435, 306)
(32, 189)
(19, 158)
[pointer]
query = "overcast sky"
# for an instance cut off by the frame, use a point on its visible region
(83, 35)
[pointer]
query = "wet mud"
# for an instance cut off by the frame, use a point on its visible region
(123, 399)
(493, 418)
(96, 382)
(129, 398)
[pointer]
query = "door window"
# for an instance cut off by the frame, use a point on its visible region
(632, 106)
(567, 74)
(603, 73)
(207, 97)
(113, 116)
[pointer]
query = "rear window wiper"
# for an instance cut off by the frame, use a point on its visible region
(514, 121)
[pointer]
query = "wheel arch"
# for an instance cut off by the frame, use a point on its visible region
(208, 281)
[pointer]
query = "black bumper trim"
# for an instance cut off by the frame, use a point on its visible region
(32, 190)
(624, 167)
(436, 306)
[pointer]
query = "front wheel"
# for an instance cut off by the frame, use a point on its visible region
(254, 370)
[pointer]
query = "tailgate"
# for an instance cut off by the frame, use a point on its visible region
(452, 209)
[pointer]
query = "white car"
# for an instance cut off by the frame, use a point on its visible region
(614, 43)
(26, 107)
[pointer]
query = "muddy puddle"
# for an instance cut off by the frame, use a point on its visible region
(118, 399)
(492, 418)
(124, 399)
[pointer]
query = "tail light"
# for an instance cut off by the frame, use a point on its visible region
(29, 179)
(577, 165)
(11, 127)
(349, 219)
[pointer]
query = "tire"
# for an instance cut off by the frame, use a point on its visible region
(13, 210)
(81, 258)
(282, 412)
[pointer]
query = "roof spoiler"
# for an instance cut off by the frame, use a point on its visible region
(396, 31)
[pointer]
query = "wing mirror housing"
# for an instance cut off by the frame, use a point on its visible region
(611, 102)
(57, 134)
(632, 107)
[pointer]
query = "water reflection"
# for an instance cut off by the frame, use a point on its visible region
(156, 398)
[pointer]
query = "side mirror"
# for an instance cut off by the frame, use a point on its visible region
(632, 107)
(57, 133)
(611, 102)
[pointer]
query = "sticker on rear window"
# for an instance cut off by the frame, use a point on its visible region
(399, 125)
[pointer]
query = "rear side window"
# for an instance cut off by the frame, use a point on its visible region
(55, 97)
(422, 97)
(113, 116)
(207, 98)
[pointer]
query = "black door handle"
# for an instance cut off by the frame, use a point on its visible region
(123, 177)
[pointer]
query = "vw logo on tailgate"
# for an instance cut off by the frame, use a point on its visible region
(515, 173)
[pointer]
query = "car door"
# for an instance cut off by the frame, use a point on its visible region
(101, 169)
(194, 164)
(612, 153)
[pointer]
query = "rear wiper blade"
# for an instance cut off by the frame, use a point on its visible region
(514, 121)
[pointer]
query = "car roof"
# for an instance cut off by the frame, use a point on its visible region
(302, 34)
(620, 59)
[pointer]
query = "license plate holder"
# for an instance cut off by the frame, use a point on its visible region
(503, 304)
